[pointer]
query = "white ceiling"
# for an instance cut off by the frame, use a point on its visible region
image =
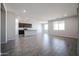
(43, 11)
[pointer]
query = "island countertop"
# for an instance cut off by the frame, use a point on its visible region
(30, 32)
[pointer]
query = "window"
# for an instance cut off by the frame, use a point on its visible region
(55, 25)
(61, 25)
(58, 25)
(46, 26)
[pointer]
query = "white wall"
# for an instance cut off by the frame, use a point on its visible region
(71, 27)
(0, 28)
(0, 22)
(11, 31)
(78, 33)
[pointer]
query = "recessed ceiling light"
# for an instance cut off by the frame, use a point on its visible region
(65, 15)
(44, 22)
(24, 11)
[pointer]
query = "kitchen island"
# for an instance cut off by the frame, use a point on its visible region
(30, 32)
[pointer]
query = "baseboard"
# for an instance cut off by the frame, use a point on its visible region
(63, 36)
(3, 54)
(0, 54)
(3, 42)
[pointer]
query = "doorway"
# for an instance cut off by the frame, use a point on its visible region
(3, 24)
(45, 28)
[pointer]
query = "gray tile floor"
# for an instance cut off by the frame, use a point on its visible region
(40, 45)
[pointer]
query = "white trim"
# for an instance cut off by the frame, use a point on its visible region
(63, 36)
(5, 24)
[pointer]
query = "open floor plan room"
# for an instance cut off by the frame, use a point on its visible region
(39, 29)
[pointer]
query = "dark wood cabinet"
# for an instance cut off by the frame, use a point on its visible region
(25, 25)
(21, 25)
(21, 32)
